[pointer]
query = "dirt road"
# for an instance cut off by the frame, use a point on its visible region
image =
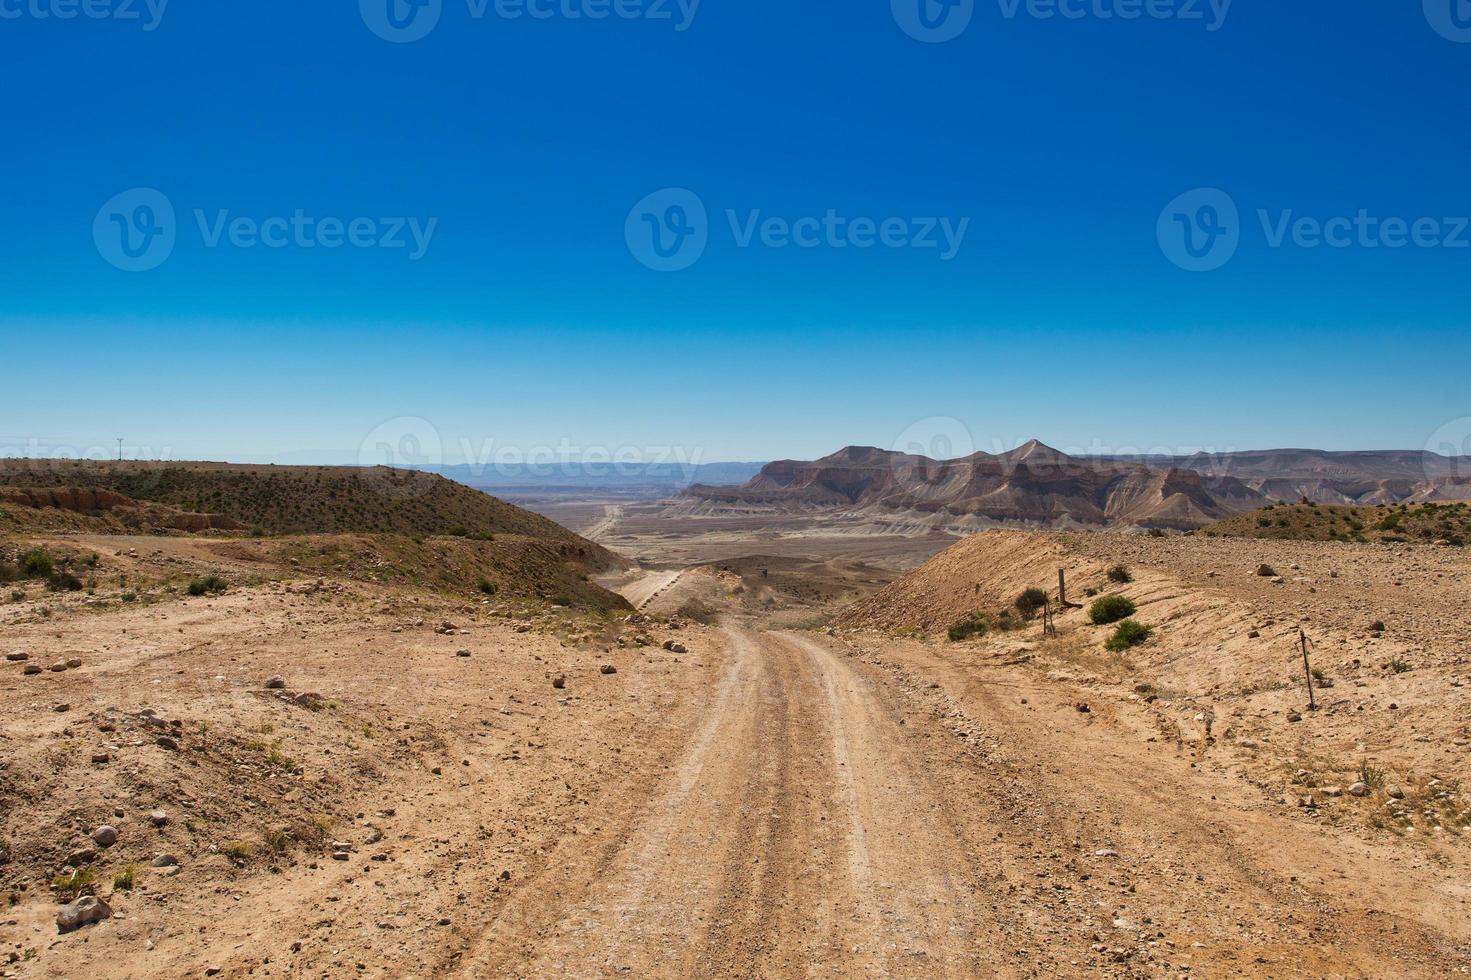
(645, 590)
(837, 814)
(769, 804)
(796, 836)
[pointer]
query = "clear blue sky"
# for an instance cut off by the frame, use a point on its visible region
(530, 321)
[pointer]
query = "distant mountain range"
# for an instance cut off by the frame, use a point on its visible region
(1037, 484)
(574, 474)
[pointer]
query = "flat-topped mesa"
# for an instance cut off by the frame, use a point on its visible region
(1032, 483)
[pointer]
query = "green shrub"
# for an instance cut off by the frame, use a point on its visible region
(1120, 574)
(37, 564)
(63, 581)
(1127, 634)
(125, 877)
(80, 882)
(966, 629)
(1030, 603)
(207, 585)
(1110, 609)
(488, 587)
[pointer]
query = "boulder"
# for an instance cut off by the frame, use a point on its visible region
(84, 911)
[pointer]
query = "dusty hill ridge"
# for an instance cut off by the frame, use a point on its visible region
(1426, 523)
(309, 499)
(115, 509)
(1032, 483)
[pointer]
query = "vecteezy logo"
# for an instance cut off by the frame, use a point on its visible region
(401, 21)
(1452, 440)
(404, 443)
(668, 230)
(1200, 230)
(136, 230)
(1450, 18)
(933, 21)
(937, 437)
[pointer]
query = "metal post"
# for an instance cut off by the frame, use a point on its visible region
(1307, 669)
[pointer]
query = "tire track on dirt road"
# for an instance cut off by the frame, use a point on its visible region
(796, 837)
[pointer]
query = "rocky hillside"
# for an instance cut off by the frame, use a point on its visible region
(1369, 477)
(1033, 483)
(1448, 524)
(297, 499)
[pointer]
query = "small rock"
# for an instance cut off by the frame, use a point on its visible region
(1332, 791)
(607, 669)
(1265, 571)
(1106, 853)
(164, 742)
(74, 663)
(1396, 793)
(275, 683)
(158, 818)
(462, 653)
(1083, 707)
(17, 656)
(61, 708)
(31, 669)
(1359, 789)
(81, 856)
(84, 911)
(165, 861)
(101, 757)
(341, 856)
(560, 681)
(58, 667)
(105, 836)
(1294, 717)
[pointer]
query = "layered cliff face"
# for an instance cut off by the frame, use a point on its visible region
(1033, 483)
(1366, 478)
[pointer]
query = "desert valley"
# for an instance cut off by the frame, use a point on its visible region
(839, 721)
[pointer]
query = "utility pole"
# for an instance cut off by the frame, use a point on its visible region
(1307, 669)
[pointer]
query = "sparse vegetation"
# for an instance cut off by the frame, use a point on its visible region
(1427, 523)
(62, 580)
(81, 881)
(488, 587)
(37, 564)
(975, 626)
(1399, 666)
(125, 877)
(207, 585)
(236, 850)
(1120, 574)
(1110, 609)
(1030, 603)
(1128, 634)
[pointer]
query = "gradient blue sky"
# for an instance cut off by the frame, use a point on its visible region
(528, 322)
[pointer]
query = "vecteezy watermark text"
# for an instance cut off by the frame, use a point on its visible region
(137, 230)
(147, 13)
(670, 229)
(1201, 230)
(937, 21)
(406, 21)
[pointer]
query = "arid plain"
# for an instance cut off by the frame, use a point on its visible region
(716, 744)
